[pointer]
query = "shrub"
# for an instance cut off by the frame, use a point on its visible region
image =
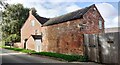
(13, 38)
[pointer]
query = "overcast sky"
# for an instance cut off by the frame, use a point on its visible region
(52, 8)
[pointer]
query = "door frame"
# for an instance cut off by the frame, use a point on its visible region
(38, 46)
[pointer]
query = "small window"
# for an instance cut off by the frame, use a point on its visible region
(94, 12)
(94, 9)
(33, 22)
(41, 33)
(100, 24)
(36, 32)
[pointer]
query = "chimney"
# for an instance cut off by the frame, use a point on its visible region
(32, 11)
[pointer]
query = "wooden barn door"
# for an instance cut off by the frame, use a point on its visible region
(91, 47)
(102, 47)
(109, 47)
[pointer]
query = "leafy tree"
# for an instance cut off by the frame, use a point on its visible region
(14, 17)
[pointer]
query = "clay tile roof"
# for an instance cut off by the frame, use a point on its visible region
(42, 20)
(36, 36)
(67, 17)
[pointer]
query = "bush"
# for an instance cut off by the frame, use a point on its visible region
(64, 57)
(13, 38)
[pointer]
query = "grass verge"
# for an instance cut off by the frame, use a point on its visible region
(18, 49)
(65, 57)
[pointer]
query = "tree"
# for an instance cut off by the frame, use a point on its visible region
(3, 4)
(14, 17)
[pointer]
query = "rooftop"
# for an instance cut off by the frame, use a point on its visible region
(67, 17)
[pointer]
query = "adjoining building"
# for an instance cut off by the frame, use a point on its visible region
(62, 34)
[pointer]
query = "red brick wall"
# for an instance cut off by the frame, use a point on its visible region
(67, 37)
(91, 18)
(30, 44)
(28, 29)
(17, 44)
(64, 37)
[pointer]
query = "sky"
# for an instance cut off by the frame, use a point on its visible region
(52, 8)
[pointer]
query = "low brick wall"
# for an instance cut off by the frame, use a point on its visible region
(17, 45)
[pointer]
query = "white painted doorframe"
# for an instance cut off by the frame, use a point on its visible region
(38, 45)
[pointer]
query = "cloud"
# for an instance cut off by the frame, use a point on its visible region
(72, 8)
(50, 8)
(111, 22)
(115, 22)
(56, 1)
(107, 10)
(109, 13)
(57, 9)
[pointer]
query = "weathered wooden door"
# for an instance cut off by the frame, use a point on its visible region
(109, 47)
(102, 47)
(91, 47)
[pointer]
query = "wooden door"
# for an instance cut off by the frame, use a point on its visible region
(91, 47)
(102, 47)
(109, 47)
(38, 45)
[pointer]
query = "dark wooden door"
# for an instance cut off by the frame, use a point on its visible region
(25, 43)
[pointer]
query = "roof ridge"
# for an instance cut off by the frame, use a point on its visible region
(74, 11)
(42, 20)
(71, 15)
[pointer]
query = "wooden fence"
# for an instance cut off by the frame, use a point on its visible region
(102, 47)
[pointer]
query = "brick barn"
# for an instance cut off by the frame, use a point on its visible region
(62, 34)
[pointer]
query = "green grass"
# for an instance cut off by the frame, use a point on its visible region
(18, 49)
(65, 57)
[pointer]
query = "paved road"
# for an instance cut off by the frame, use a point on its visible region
(9, 56)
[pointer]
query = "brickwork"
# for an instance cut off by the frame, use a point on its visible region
(67, 37)
(27, 30)
(64, 37)
(30, 44)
